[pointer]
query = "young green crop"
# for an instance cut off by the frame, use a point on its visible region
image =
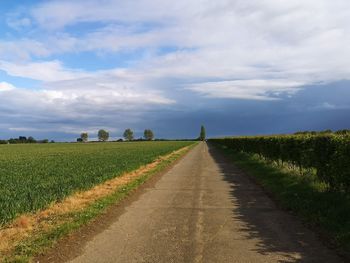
(33, 176)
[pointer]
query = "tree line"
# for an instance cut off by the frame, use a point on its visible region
(128, 135)
(103, 135)
(338, 132)
(24, 139)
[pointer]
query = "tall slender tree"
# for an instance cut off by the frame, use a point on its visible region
(202, 134)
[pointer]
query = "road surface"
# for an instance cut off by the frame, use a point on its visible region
(204, 210)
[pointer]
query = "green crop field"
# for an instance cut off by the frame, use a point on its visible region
(34, 175)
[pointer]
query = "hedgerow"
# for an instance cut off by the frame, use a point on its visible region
(328, 154)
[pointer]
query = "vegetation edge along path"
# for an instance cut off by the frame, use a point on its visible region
(325, 212)
(32, 234)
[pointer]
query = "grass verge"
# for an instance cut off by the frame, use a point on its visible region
(42, 239)
(328, 213)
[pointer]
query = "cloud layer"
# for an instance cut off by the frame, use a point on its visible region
(100, 58)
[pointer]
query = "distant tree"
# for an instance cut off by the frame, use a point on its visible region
(128, 134)
(45, 141)
(342, 132)
(103, 135)
(84, 136)
(202, 134)
(22, 139)
(13, 141)
(302, 133)
(326, 131)
(52, 141)
(31, 140)
(79, 140)
(148, 135)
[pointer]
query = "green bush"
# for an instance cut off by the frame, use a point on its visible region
(328, 153)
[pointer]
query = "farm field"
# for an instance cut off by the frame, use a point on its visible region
(34, 175)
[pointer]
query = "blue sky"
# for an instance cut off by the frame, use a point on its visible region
(238, 67)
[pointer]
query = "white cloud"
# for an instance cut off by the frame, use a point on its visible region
(25, 129)
(246, 89)
(23, 49)
(44, 71)
(227, 49)
(329, 106)
(58, 14)
(222, 39)
(19, 23)
(80, 98)
(4, 86)
(66, 128)
(72, 106)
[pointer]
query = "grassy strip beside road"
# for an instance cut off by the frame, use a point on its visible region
(61, 224)
(325, 211)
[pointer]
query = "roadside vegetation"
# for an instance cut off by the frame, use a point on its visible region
(306, 173)
(326, 156)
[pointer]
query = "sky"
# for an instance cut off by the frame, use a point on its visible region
(238, 67)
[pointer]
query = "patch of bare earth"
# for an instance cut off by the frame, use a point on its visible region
(42, 221)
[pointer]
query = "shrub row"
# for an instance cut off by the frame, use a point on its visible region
(328, 154)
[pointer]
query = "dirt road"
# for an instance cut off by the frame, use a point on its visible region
(204, 210)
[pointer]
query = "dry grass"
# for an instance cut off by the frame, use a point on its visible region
(25, 225)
